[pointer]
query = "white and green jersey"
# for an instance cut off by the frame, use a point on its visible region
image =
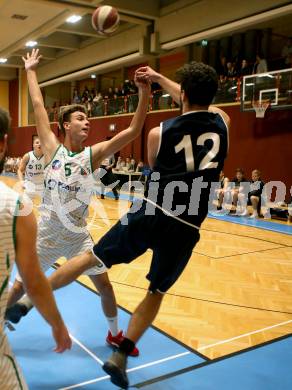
(62, 231)
(68, 185)
(10, 375)
(34, 173)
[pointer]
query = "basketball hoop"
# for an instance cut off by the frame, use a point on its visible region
(260, 108)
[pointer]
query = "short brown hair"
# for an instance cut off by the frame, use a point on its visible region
(65, 113)
(5, 121)
(256, 171)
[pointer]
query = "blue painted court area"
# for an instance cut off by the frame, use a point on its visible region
(263, 368)
(254, 222)
(81, 367)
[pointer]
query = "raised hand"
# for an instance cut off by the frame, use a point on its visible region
(143, 83)
(32, 59)
(147, 73)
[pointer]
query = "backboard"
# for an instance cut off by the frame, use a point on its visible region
(273, 87)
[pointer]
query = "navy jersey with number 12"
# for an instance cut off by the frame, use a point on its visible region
(193, 145)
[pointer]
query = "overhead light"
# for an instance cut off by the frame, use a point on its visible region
(93, 76)
(3, 60)
(73, 19)
(31, 43)
(249, 84)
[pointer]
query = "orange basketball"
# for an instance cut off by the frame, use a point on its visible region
(105, 20)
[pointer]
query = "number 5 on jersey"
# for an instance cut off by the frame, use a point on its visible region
(67, 169)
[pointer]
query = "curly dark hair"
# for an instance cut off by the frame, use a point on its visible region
(199, 82)
(65, 114)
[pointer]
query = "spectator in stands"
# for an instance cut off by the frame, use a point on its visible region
(156, 93)
(237, 188)
(245, 69)
(222, 68)
(97, 104)
(120, 164)
(231, 72)
(110, 93)
(140, 166)
(118, 92)
(132, 165)
(85, 94)
(131, 93)
(287, 53)
(76, 97)
(255, 194)
(128, 164)
(223, 190)
(260, 65)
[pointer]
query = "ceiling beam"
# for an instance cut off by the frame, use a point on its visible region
(45, 29)
(13, 62)
(60, 41)
(47, 53)
(83, 27)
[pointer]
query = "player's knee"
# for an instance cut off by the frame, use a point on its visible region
(103, 284)
(106, 288)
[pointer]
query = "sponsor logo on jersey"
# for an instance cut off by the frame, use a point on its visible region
(83, 172)
(56, 164)
(52, 184)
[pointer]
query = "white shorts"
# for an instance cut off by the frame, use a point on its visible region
(54, 242)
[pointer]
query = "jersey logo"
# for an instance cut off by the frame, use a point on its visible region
(83, 172)
(30, 166)
(56, 165)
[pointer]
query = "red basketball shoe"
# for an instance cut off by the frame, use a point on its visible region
(115, 341)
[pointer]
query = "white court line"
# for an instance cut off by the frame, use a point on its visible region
(86, 349)
(244, 335)
(129, 370)
(182, 354)
(85, 383)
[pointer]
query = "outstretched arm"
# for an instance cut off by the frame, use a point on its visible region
(35, 282)
(106, 148)
(47, 137)
(168, 85)
(173, 88)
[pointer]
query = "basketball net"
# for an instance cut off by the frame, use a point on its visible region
(260, 108)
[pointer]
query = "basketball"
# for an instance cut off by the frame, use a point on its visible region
(105, 20)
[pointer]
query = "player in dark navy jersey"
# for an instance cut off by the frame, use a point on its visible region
(186, 154)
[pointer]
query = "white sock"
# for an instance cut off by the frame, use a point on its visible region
(113, 325)
(25, 300)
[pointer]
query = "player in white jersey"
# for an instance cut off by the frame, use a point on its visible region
(17, 242)
(68, 184)
(31, 169)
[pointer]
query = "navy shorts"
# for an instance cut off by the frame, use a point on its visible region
(171, 241)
